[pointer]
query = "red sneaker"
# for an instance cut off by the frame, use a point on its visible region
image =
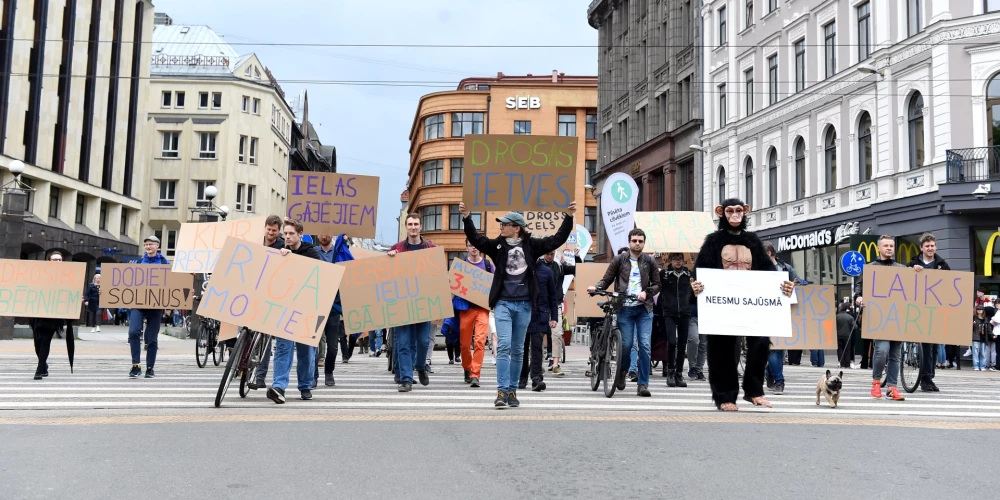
(894, 394)
(876, 389)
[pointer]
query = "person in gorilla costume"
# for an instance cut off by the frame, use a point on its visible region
(733, 247)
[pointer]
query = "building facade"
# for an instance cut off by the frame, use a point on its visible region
(72, 106)
(307, 151)
(216, 118)
(839, 117)
(649, 98)
(566, 105)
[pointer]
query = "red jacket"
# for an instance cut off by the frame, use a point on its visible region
(402, 245)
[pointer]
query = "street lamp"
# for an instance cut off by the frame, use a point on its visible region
(211, 212)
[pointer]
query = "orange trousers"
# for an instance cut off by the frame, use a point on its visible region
(474, 326)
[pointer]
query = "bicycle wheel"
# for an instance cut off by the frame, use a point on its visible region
(230, 372)
(201, 347)
(611, 362)
(909, 366)
(220, 348)
(595, 374)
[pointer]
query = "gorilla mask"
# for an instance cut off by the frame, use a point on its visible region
(732, 214)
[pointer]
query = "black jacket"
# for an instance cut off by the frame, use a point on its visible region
(546, 308)
(982, 330)
(845, 325)
(710, 255)
(496, 249)
(559, 271)
(93, 297)
(307, 250)
(620, 269)
(675, 292)
(278, 244)
(937, 263)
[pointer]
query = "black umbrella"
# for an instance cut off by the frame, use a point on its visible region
(70, 343)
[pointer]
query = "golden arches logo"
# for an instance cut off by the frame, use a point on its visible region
(906, 251)
(866, 247)
(988, 257)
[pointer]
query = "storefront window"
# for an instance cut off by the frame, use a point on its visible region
(986, 239)
(811, 272)
(907, 247)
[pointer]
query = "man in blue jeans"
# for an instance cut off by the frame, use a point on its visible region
(152, 316)
(514, 288)
(411, 341)
(637, 274)
(883, 348)
(283, 348)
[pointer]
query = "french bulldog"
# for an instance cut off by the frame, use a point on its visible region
(829, 385)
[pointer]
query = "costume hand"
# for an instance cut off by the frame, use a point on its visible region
(697, 287)
(285, 251)
(788, 288)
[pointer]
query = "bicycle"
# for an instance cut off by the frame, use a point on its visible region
(910, 371)
(208, 338)
(246, 357)
(606, 350)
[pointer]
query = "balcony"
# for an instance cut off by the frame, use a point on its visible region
(973, 164)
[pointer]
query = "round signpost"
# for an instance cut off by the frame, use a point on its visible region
(853, 263)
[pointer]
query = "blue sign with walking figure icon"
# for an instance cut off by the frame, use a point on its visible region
(853, 263)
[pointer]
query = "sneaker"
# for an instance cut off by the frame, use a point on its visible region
(632, 377)
(451, 361)
(256, 385)
(539, 387)
(512, 399)
(692, 375)
(876, 388)
(306, 394)
(395, 377)
(894, 394)
(135, 372)
(92, 330)
(276, 395)
(501, 399)
(468, 379)
(98, 329)
(422, 375)
(149, 373)
(701, 377)
(620, 381)
(522, 384)
(779, 388)
(474, 382)
(38, 376)
(557, 371)
(328, 380)
(769, 380)
(642, 391)
(679, 379)
(405, 387)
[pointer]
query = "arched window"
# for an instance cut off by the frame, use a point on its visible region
(772, 178)
(993, 111)
(830, 156)
(748, 179)
(915, 115)
(865, 148)
(722, 184)
(800, 169)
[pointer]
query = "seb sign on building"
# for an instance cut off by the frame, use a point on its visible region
(524, 102)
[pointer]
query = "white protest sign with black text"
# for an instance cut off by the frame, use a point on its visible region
(618, 199)
(744, 303)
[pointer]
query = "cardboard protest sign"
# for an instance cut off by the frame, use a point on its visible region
(145, 286)
(470, 283)
(519, 172)
(364, 253)
(227, 331)
(385, 292)
(254, 286)
(41, 289)
(674, 231)
(587, 275)
(745, 303)
(931, 306)
(328, 203)
(814, 319)
(199, 243)
(539, 224)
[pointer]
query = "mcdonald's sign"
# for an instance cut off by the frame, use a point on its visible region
(988, 255)
(867, 245)
(906, 251)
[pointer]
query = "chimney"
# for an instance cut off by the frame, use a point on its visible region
(555, 76)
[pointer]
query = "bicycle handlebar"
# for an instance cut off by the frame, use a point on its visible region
(605, 293)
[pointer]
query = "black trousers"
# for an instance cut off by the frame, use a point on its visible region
(953, 353)
(352, 342)
(93, 318)
(723, 374)
(867, 353)
(795, 357)
(845, 351)
(677, 337)
(928, 361)
(334, 331)
(43, 343)
(454, 350)
(533, 344)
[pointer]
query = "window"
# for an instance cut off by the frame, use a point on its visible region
(201, 200)
(772, 5)
(202, 100)
(171, 140)
(207, 151)
(433, 127)
(992, 5)
(772, 178)
(169, 243)
(216, 100)
(800, 65)
(81, 208)
(457, 255)
(772, 79)
(686, 111)
(256, 106)
(102, 222)
(688, 23)
(590, 219)
(915, 114)
(567, 124)
(748, 181)
(253, 150)
(641, 115)
(749, 14)
(246, 104)
(433, 172)
(251, 191)
(522, 127)
(430, 218)
(830, 42)
(722, 105)
(463, 124)
(913, 24)
(54, 202)
(589, 171)
(591, 127)
(166, 99)
(723, 36)
(457, 165)
(455, 218)
(27, 181)
(243, 148)
(239, 196)
(830, 155)
(865, 148)
(748, 78)
(800, 169)
(179, 100)
(864, 31)
(123, 223)
(168, 194)
(722, 184)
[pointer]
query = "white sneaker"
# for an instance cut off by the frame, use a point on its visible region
(92, 330)
(494, 360)
(98, 328)
(967, 353)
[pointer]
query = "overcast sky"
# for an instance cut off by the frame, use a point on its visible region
(370, 125)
